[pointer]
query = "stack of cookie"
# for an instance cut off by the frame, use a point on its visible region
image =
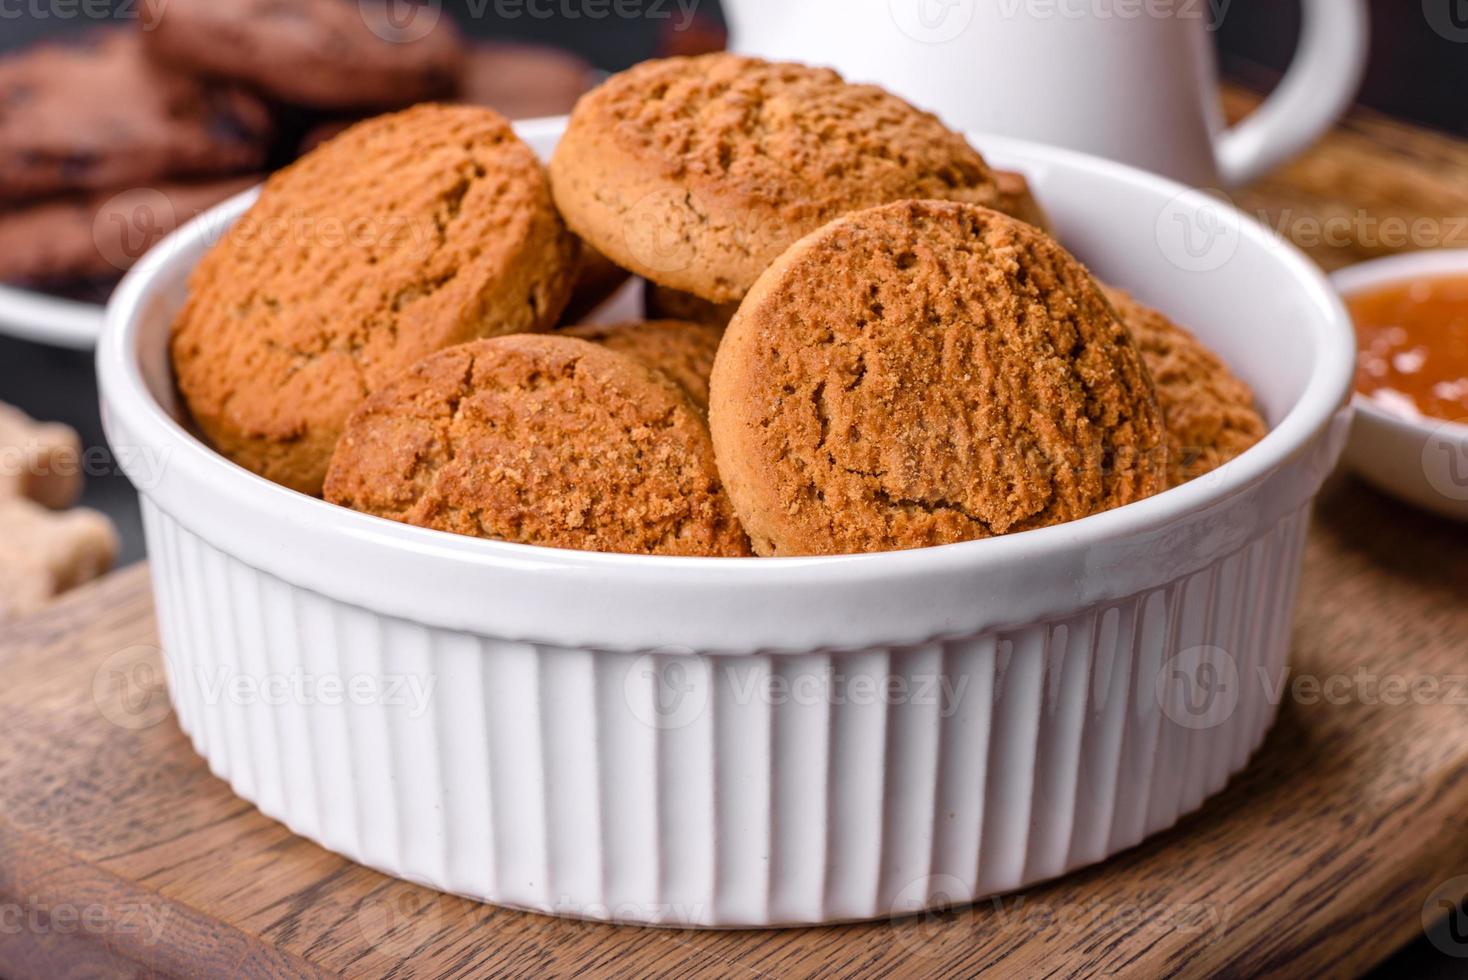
(45, 547)
(867, 342)
(110, 142)
(83, 123)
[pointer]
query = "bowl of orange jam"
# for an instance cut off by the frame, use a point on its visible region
(1410, 434)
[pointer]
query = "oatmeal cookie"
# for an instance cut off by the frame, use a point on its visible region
(546, 440)
(696, 173)
(1209, 412)
(924, 373)
(681, 350)
(409, 233)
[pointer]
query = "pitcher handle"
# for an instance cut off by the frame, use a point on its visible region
(1313, 94)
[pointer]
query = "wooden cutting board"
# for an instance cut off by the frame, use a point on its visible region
(121, 854)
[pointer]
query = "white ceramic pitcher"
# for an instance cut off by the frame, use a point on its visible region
(1133, 80)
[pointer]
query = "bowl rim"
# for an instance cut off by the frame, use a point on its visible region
(1437, 263)
(124, 391)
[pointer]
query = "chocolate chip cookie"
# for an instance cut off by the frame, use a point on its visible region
(101, 235)
(98, 114)
(328, 54)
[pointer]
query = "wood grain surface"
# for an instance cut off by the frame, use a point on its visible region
(121, 854)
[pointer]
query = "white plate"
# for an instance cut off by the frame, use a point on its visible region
(47, 319)
(1423, 461)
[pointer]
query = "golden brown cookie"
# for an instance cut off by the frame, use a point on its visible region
(1016, 198)
(669, 304)
(545, 440)
(681, 350)
(1209, 412)
(697, 173)
(407, 234)
(923, 373)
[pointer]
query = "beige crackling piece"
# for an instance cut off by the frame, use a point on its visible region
(924, 373)
(40, 461)
(547, 440)
(681, 351)
(696, 173)
(407, 234)
(44, 553)
(1209, 411)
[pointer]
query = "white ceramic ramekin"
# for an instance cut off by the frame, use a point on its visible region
(753, 742)
(1423, 461)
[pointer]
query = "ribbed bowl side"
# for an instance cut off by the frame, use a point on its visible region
(732, 790)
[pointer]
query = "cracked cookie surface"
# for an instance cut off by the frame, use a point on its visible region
(682, 350)
(406, 234)
(697, 173)
(924, 373)
(539, 439)
(1209, 412)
